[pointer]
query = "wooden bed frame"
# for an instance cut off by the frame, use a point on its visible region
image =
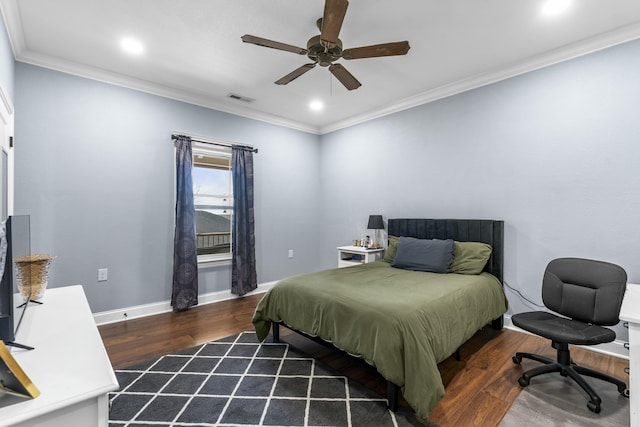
(462, 230)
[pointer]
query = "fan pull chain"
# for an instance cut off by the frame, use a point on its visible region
(330, 85)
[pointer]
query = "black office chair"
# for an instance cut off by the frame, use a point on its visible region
(589, 293)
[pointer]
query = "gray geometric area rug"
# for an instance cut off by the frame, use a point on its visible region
(553, 400)
(237, 381)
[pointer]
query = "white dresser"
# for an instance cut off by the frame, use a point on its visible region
(69, 365)
(630, 312)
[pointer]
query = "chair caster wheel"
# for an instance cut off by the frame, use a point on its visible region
(516, 359)
(523, 381)
(593, 407)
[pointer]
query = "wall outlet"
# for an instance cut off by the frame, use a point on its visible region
(290, 253)
(102, 274)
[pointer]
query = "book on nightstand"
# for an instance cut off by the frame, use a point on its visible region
(13, 380)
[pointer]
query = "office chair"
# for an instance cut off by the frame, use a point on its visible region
(588, 294)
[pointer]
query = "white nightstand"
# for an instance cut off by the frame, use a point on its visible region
(356, 255)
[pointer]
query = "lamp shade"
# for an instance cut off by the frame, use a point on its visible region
(375, 222)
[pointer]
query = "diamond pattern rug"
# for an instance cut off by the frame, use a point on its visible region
(237, 381)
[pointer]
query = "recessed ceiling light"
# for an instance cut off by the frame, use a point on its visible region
(316, 105)
(555, 7)
(132, 46)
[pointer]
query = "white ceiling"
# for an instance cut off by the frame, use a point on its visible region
(193, 50)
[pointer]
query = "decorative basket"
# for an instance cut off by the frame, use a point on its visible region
(32, 274)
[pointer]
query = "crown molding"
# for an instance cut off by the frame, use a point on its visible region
(565, 53)
(11, 15)
(93, 73)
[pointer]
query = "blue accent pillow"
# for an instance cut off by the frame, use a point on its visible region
(424, 255)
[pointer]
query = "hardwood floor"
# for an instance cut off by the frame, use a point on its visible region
(479, 389)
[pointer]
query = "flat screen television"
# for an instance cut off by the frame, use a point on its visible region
(14, 242)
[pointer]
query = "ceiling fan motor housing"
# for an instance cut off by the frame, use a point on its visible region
(324, 55)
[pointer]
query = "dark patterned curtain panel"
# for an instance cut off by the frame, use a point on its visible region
(185, 257)
(243, 274)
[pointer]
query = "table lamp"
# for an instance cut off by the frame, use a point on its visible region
(375, 223)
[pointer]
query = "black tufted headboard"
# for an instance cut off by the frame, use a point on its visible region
(463, 230)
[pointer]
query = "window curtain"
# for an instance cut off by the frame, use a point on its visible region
(243, 273)
(185, 258)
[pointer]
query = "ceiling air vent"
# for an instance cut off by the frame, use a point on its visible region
(240, 97)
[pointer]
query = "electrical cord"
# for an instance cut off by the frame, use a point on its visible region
(522, 296)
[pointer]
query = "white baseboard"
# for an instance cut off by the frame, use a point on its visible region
(615, 348)
(105, 317)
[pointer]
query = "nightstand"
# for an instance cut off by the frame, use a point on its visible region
(356, 255)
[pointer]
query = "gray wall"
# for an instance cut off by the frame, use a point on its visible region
(95, 170)
(554, 153)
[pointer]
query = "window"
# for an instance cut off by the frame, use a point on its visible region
(213, 200)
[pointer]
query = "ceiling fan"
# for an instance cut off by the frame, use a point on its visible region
(326, 48)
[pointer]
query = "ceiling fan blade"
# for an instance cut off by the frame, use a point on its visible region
(345, 77)
(295, 74)
(385, 49)
(273, 44)
(334, 12)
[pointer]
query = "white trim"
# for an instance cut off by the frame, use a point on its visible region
(6, 106)
(615, 348)
(106, 317)
(205, 149)
(214, 260)
(6, 100)
(583, 47)
(209, 144)
(117, 79)
(13, 23)
(565, 53)
(6, 133)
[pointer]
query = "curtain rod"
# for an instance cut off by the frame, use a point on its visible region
(222, 144)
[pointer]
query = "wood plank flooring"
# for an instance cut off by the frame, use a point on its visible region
(479, 389)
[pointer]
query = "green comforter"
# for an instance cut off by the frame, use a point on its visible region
(402, 322)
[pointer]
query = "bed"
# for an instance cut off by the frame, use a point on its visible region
(402, 322)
